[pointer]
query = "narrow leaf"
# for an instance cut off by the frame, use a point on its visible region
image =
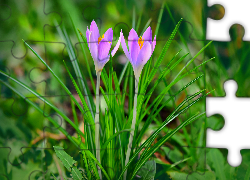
(217, 163)
(54, 176)
(44, 100)
(77, 175)
(42, 112)
(66, 159)
(87, 110)
(148, 170)
(90, 155)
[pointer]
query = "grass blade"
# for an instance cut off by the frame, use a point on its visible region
(45, 101)
(84, 148)
(57, 78)
(83, 50)
(91, 124)
(163, 52)
(163, 140)
(76, 174)
(42, 112)
(159, 19)
(75, 64)
(66, 159)
(170, 118)
(113, 136)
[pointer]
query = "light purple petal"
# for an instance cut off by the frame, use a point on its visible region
(109, 35)
(87, 35)
(147, 35)
(135, 49)
(132, 37)
(144, 54)
(124, 47)
(95, 31)
(93, 47)
(116, 46)
(103, 51)
(154, 43)
(143, 57)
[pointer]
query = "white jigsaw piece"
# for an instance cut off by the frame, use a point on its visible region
(236, 12)
(236, 132)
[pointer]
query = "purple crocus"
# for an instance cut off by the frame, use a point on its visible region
(140, 49)
(99, 46)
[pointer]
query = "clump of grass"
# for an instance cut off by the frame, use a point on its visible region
(115, 124)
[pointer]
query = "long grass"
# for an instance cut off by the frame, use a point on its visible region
(115, 122)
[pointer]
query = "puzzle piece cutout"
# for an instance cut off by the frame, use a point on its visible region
(237, 109)
(230, 63)
(235, 12)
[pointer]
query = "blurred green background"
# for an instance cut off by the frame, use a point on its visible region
(26, 153)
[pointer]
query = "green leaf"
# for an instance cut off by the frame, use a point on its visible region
(146, 26)
(92, 167)
(57, 78)
(41, 111)
(163, 74)
(230, 172)
(84, 53)
(164, 51)
(123, 72)
(66, 159)
(113, 136)
(247, 176)
(138, 23)
(133, 19)
(170, 118)
(174, 175)
(86, 164)
(81, 79)
(44, 100)
(54, 176)
(159, 19)
(167, 167)
(217, 161)
(150, 152)
(90, 156)
(88, 116)
(76, 174)
(155, 104)
(174, 113)
(147, 172)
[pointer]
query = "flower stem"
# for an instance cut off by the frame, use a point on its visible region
(97, 125)
(132, 127)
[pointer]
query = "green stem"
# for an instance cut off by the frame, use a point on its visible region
(97, 125)
(132, 126)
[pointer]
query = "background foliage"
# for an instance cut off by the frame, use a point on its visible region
(31, 156)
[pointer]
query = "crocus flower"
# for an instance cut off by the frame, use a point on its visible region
(99, 46)
(140, 49)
